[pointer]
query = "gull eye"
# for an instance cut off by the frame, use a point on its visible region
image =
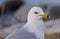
(36, 12)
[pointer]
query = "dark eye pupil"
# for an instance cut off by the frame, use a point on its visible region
(36, 12)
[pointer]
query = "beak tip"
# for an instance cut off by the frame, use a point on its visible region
(49, 17)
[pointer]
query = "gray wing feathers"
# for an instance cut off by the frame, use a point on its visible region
(22, 35)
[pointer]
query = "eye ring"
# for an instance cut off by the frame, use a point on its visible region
(36, 12)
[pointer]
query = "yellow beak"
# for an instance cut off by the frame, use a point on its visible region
(45, 16)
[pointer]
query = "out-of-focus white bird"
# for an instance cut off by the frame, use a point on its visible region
(34, 28)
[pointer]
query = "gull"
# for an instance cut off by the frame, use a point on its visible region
(34, 28)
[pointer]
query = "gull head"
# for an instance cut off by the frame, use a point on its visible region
(36, 13)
